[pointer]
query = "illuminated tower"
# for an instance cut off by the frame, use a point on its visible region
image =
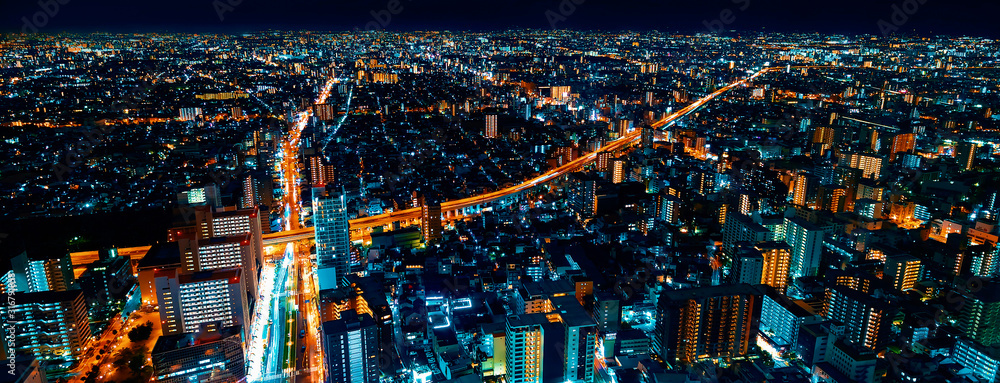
(491, 126)
(524, 347)
(220, 253)
(806, 241)
(777, 261)
(867, 320)
(822, 139)
(902, 143)
(706, 322)
(320, 173)
(618, 170)
(430, 219)
(800, 189)
(903, 271)
(965, 153)
(333, 237)
(350, 345)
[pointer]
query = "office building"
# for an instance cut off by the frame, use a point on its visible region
(203, 356)
(351, 348)
(222, 253)
(216, 299)
(333, 237)
(205, 195)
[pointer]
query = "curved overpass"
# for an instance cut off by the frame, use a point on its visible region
(360, 226)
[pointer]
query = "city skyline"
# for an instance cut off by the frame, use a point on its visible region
(501, 206)
(847, 17)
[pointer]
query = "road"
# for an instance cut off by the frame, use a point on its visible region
(113, 339)
(276, 358)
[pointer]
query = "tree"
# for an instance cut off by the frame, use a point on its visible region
(141, 333)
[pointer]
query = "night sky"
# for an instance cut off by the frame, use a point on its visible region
(953, 17)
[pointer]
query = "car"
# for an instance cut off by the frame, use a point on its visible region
(302, 333)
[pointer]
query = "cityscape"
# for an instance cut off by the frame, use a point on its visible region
(394, 204)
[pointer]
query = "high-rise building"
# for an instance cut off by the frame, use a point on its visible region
(822, 139)
(740, 228)
(903, 271)
(869, 208)
(748, 266)
(902, 143)
(619, 170)
(870, 190)
(669, 208)
(965, 154)
(806, 242)
(350, 345)
(979, 319)
(867, 319)
(257, 191)
(221, 253)
(800, 188)
(233, 223)
(320, 173)
(608, 315)
(430, 219)
(204, 356)
(333, 237)
(706, 322)
(36, 272)
(491, 126)
(703, 182)
(579, 339)
(832, 198)
(781, 318)
(982, 361)
(50, 325)
(870, 164)
(524, 347)
(777, 262)
(583, 194)
(560, 93)
(215, 299)
(207, 195)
